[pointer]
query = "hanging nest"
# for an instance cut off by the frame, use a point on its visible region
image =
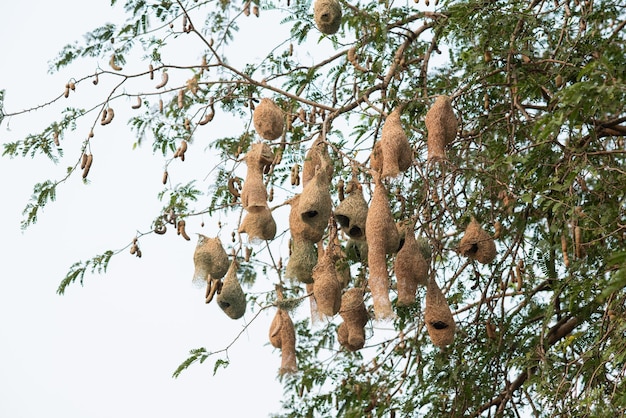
(397, 155)
(438, 317)
(477, 244)
(283, 336)
(441, 124)
(327, 14)
(231, 298)
(259, 224)
(301, 261)
(351, 214)
(316, 156)
(315, 205)
(268, 120)
(382, 238)
(210, 260)
(312, 230)
(351, 333)
(326, 285)
(411, 269)
(254, 193)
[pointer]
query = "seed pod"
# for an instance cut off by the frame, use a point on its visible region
(295, 175)
(255, 10)
(231, 298)
(104, 116)
(207, 118)
(210, 259)
(164, 179)
(164, 80)
(268, 120)
(160, 229)
(497, 230)
(90, 134)
(282, 335)
(151, 71)
(491, 330)
(161, 106)
(246, 9)
(83, 161)
(352, 59)
(66, 92)
(87, 165)
(327, 14)
(442, 125)
(113, 65)
(234, 185)
(577, 242)
(477, 244)
(187, 124)
(438, 317)
(110, 114)
(564, 250)
(138, 104)
(519, 271)
(55, 138)
(181, 230)
(95, 80)
(181, 99)
(394, 145)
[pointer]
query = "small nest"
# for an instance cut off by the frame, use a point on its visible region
(259, 224)
(351, 214)
(411, 269)
(438, 317)
(316, 156)
(231, 298)
(282, 335)
(355, 317)
(397, 155)
(268, 120)
(441, 124)
(210, 260)
(302, 260)
(477, 244)
(254, 193)
(327, 14)
(326, 285)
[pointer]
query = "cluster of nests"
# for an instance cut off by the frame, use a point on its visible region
(370, 229)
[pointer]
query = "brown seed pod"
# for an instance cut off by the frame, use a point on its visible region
(234, 186)
(231, 298)
(105, 112)
(95, 79)
(160, 229)
(351, 213)
(187, 124)
(491, 330)
(255, 10)
(442, 125)
(352, 59)
(160, 105)
(396, 150)
(282, 335)
(411, 269)
(210, 259)
(327, 15)
(87, 165)
(497, 226)
(113, 65)
(109, 116)
(246, 9)
(151, 71)
(268, 120)
(316, 156)
(164, 179)
(578, 251)
(302, 260)
(438, 317)
(207, 118)
(355, 317)
(181, 230)
(164, 79)
(477, 244)
(83, 161)
(138, 104)
(259, 224)
(326, 285)
(295, 175)
(564, 250)
(181, 98)
(55, 138)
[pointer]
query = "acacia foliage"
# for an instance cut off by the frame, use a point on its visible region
(538, 88)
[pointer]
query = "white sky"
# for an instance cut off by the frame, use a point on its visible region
(107, 349)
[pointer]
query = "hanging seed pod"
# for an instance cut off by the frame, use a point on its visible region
(351, 213)
(352, 59)
(441, 124)
(394, 145)
(477, 244)
(151, 71)
(164, 79)
(107, 116)
(316, 156)
(282, 335)
(295, 175)
(268, 120)
(302, 260)
(254, 193)
(259, 224)
(411, 269)
(164, 178)
(88, 163)
(438, 317)
(564, 250)
(315, 205)
(326, 285)
(181, 230)
(181, 98)
(355, 317)
(210, 259)
(382, 239)
(327, 14)
(138, 104)
(113, 65)
(231, 298)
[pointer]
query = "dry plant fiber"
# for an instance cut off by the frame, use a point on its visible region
(316, 156)
(438, 317)
(411, 269)
(326, 285)
(376, 157)
(301, 230)
(254, 193)
(355, 317)
(268, 120)
(301, 261)
(209, 259)
(441, 124)
(382, 238)
(282, 335)
(351, 214)
(327, 14)
(477, 244)
(231, 298)
(259, 224)
(395, 147)
(315, 205)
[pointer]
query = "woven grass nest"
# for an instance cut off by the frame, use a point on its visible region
(441, 124)
(392, 154)
(231, 298)
(210, 260)
(259, 224)
(301, 261)
(411, 268)
(351, 333)
(351, 214)
(477, 244)
(438, 317)
(316, 156)
(326, 284)
(282, 335)
(254, 193)
(268, 120)
(327, 14)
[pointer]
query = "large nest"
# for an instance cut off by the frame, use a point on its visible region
(411, 269)
(231, 298)
(327, 14)
(441, 124)
(438, 317)
(326, 285)
(477, 244)
(268, 120)
(259, 224)
(397, 155)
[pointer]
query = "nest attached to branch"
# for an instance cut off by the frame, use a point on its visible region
(316, 156)
(259, 224)
(351, 333)
(411, 269)
(210, 260)
(351, 213)
(231, 298)
(441, 124)
(301, 261)
(254, 193)
(394, 148)
(268, 120)
(327, 14)
(326, 284)
(282, 335)
(438, 317)
(477, 244)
